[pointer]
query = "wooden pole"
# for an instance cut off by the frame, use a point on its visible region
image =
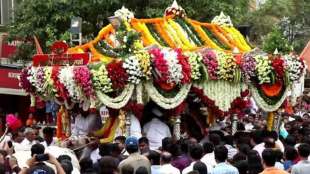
(210, 118)
(270, 120)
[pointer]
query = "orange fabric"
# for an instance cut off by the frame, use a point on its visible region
(30, 122)
(273, 170)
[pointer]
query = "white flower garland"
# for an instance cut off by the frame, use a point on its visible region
(264, 105)
(194, 60)
(223, 93)
(139, 91)
(124, 13)
(66, 78)
(167, 103)
(133, 69)
(34, 80)
(119, 101)
(294, 67)
(174, 68)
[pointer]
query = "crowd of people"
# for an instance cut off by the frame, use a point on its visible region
(251, 150)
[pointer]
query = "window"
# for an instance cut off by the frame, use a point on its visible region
(6, 11)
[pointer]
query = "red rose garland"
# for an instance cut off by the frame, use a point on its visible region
(208, 102)
(160, 65)
(278, 66)
(117, 74)
(186, 68)
(136, 108)
(62, 91)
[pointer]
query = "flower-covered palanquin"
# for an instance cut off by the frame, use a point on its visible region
(164, 59)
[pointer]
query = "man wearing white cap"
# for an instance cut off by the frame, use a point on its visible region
(156, 130)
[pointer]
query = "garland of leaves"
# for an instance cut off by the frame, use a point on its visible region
(156, 35)
(214, 38)
(190, 31)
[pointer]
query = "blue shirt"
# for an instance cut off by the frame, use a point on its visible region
(224, 168)
(288, 164)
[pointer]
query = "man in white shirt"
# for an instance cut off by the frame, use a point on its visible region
(303, 166)
(29, 138)
(48, 135)
(271, 140)
(166, 167)
(208, 158)
(156, 130)
(196, 152)
(85, 123)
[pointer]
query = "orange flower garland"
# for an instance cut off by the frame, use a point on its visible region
(164, 35)
(229, 38)
(215, 29)
(173, 35)
(272, 90)
(138, 28)
(207, 41)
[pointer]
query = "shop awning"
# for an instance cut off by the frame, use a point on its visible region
(9, 83)
(306, 55)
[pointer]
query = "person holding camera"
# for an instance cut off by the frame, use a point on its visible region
(36, 164)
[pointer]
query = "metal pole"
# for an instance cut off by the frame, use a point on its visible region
(128, 123)
(234, 124)
(177, 128)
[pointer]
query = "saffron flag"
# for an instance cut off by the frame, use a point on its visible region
(306, 55)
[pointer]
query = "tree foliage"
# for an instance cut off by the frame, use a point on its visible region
(276, 40)
(272, 13)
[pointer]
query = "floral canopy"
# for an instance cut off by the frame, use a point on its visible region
(164, 60)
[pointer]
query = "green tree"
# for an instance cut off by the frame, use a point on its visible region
(276, 40)
(263, 20)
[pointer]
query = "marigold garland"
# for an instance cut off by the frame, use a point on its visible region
(173, 35)
(179, 32)
(164, 35)
(208, 42)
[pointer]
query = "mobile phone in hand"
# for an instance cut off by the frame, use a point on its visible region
(42, 157)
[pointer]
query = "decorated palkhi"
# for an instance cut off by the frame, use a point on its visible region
(165, 59)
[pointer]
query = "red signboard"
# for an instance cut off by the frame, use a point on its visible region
(9, 78)
(59, 56)
(7, 48)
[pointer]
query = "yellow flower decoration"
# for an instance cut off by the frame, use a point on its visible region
(145, 62)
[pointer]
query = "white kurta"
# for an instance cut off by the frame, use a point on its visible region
(155, 131)
(84, 125)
